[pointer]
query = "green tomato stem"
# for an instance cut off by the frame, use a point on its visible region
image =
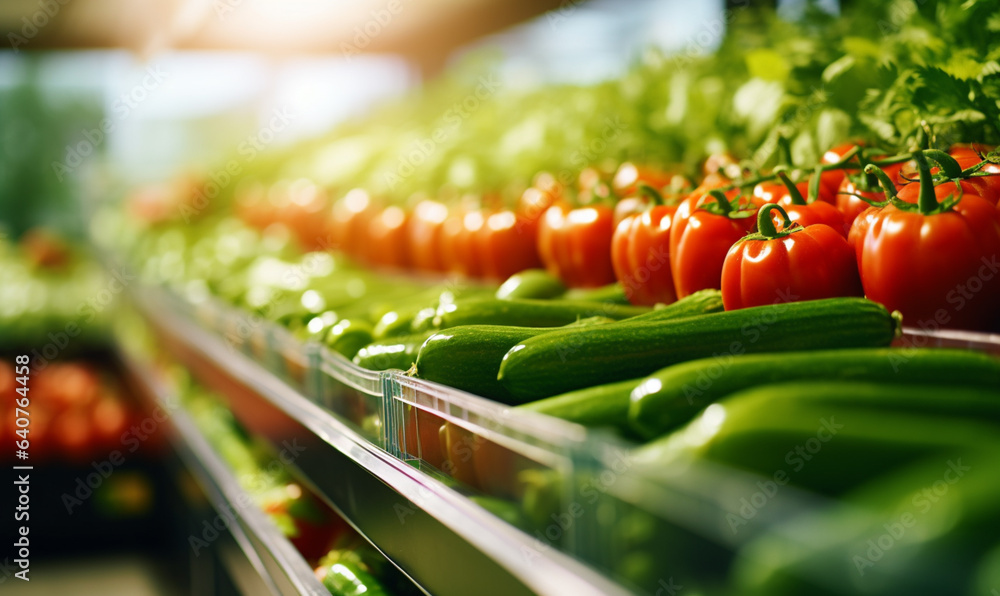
(948, 164)
(721, 200)
(928, 199)
(651, 193)
(793, 191)
(883, 179)
(765, 225)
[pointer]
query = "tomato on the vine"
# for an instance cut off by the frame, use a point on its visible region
(508, 243)
(703, 229)
(388, 234)
(793, 264)
(936, 261)
(640, 253)
(575, 244)
(425, 228)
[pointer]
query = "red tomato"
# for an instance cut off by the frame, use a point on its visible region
(640, 254)
(987, 186)
(856, 236)
(426, 226)
(508, 244)
(575, 244)
(807, 214)
(940, 269)
(387, 233)
(349, 223)
(702, 232)
(303, 214)
(807, 263)
(629, 176)
(774, 191)
(830, 181)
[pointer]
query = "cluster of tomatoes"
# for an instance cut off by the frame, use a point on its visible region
(921, 240)
(75, 413)
(662, 238)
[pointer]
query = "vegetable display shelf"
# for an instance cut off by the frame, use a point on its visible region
(257, 557)
(445, 540)
(571, 490)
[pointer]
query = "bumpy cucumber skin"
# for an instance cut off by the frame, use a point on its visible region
(531, 283)
(672, 396)
(396, 353)
(573, 359)
(527, 313)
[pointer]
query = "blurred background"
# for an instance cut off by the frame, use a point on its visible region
(123, 122)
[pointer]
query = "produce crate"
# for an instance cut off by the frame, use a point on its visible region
(354, 394)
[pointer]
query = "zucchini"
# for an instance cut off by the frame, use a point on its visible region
(531, 283)
(571, 359)
(601, 406)
(468, 357)
(527, 313)
(675, 394)
(398, 352)
(613, 293)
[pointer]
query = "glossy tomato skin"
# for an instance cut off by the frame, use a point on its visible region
(348, 223)
(831, 180)
(939, 270)
(640, 254)
(425, 235)
(575, 244)
(699, 243)
(389, 236)
(810, 264)
(856, 235)
(509, 243)
(987, 186)
(460, 243)
(817, 212)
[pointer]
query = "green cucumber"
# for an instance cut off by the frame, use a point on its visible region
(397, 352)
(571, 359)
(417, 314)
(527, 313)
(531, 283)
(702, 302)
(468, 357)
(604, 405)
(830, 436)
(675, 394)
(613, 293)
(348, 336)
